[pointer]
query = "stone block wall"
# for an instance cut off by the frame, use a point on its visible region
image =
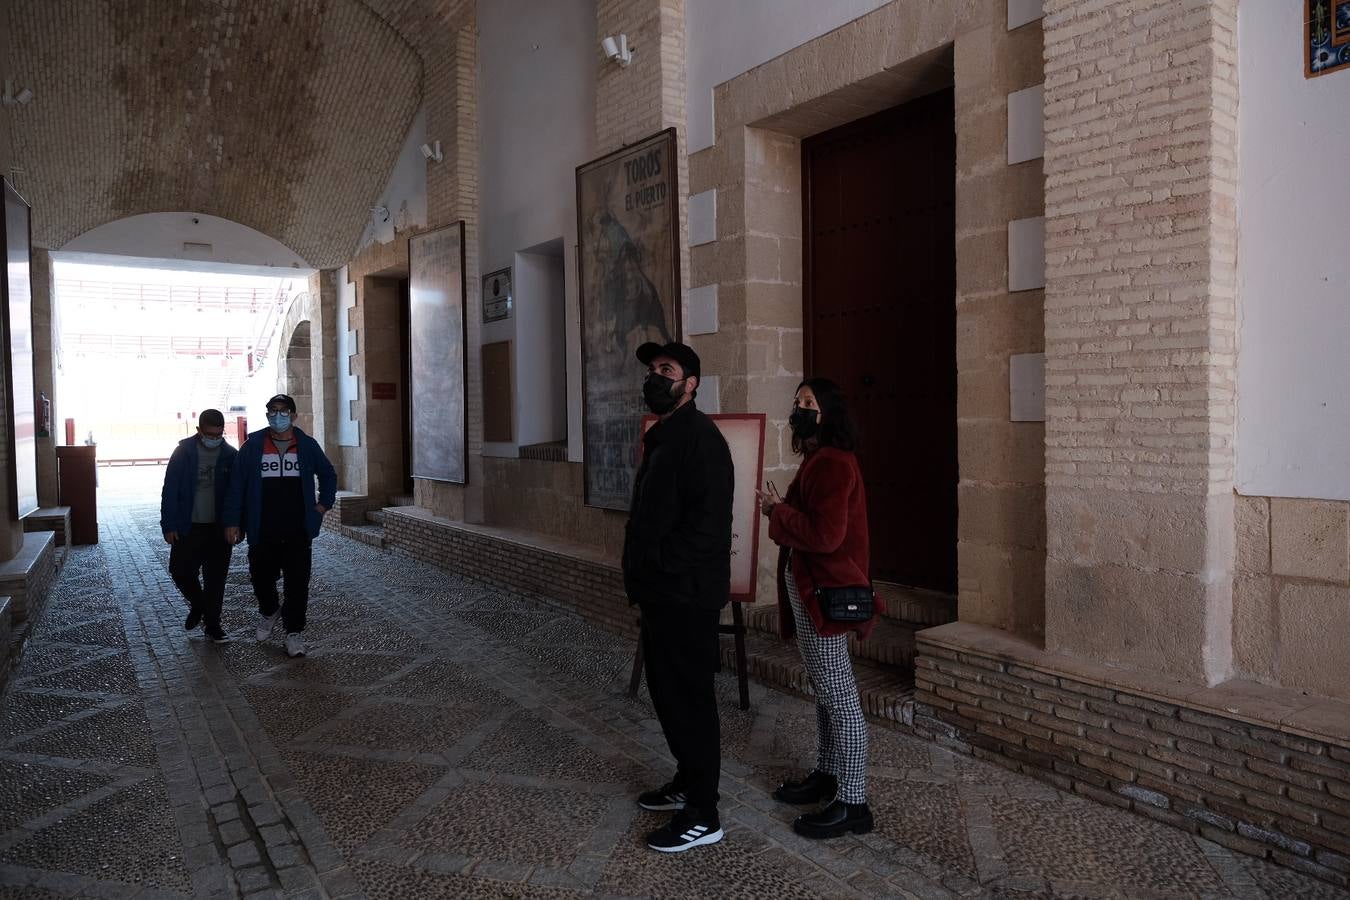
(44, 371)
(897, 53)
(1292, 593)
(1255, 769)
(545, 497)
(1001, 493)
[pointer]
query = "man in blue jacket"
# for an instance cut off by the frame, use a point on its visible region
(189, 516)
(272, 497)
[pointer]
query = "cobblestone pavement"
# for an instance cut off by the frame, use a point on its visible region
(448, 739)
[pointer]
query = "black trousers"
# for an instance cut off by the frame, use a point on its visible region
(289, 558)
(198, 564)
(681, 653)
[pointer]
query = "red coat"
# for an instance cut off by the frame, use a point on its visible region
(823, 520)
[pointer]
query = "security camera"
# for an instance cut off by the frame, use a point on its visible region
(432, 151)
(616, 49)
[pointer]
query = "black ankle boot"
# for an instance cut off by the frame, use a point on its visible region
(813, 788)
(834, 820)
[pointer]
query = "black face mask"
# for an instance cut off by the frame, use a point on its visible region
(656, 390)
(804, 422)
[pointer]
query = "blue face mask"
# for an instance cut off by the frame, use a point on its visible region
(212, 443)
(280, 422)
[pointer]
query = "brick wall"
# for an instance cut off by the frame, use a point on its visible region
(575, 580)
(28, 578)
(450, 97)
(286, 117)
(1140, 181)
(1270, 792)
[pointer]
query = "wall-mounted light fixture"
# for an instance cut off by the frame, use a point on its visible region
(616, 49)
(432, 151)
(12, 99)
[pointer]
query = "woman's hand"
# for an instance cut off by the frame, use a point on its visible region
(768, 499)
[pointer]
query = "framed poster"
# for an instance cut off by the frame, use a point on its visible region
(1326, 37)
(17, 337)
(497, 296)
(629, 269)
(436, 301)
(744, 433)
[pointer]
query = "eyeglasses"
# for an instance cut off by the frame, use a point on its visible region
(278, 412)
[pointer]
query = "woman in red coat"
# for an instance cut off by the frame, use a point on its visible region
(821, 526)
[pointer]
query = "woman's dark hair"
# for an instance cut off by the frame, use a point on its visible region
(837, 428)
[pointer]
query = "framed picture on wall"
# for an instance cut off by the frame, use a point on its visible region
(629, 271)
(436, 324)
(1326, 25)
(16, 321)
(497, 296)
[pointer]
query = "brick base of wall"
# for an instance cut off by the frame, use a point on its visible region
(348, 509)
(571, 575)
(1260, 770)
(55, 519)
(26, 581)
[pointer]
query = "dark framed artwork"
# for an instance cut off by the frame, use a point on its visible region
(436, 325)
(1326, 37)
(16, 312)
(629, 272)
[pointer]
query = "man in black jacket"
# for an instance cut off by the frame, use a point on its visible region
(677, 568)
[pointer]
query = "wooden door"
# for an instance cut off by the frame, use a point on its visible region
(880, 312)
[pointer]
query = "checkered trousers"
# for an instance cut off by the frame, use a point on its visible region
(841, 730)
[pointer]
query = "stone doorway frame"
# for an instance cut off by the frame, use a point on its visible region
(753, 267)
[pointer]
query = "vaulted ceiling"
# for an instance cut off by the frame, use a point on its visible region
(282, 115)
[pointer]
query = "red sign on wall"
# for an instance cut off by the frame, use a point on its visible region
(383, 390)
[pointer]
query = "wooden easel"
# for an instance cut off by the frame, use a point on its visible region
(744, 433)
(736, 629)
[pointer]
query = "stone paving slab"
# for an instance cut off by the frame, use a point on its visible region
(448, 739)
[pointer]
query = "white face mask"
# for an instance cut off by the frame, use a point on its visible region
(279, 422)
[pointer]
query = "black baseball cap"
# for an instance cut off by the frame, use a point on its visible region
(282, 398)
(681, 353)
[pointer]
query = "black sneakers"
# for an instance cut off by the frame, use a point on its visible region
(688, 828)
(216, 634)
(837, 819)
(194, 618)
(813, 788)
(668, 796)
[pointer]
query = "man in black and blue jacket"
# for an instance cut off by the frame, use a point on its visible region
(190, 509)
(272, 498)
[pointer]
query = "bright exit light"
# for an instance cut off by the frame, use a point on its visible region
(141, 351)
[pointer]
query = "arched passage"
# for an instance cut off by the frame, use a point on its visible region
(298, 376)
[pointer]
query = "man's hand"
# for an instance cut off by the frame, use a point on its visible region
(231, 535)
(320, 508)
(170, 537)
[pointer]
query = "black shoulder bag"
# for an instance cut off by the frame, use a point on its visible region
(846, 605)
